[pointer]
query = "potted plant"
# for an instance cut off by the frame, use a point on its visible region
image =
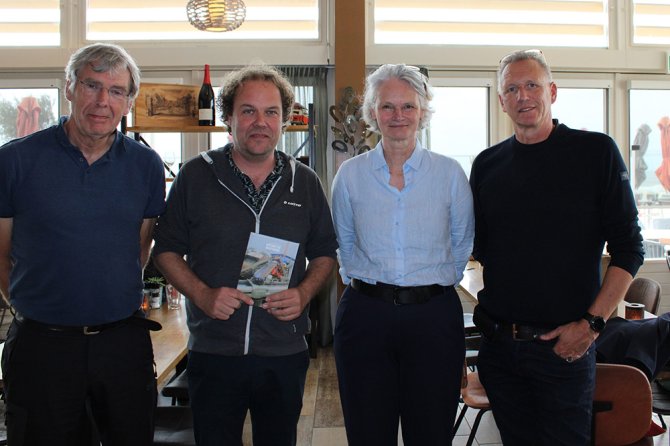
(153, 284)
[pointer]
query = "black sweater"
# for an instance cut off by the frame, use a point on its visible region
(543, 213)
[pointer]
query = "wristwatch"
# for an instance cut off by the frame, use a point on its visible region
(597, 323)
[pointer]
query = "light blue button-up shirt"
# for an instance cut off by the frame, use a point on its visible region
(419, 235)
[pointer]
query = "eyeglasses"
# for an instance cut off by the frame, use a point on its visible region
(93, 89)
(517, 55)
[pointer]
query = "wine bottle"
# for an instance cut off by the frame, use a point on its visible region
(206, 101)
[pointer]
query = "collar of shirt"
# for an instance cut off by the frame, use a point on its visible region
(413, 163)
(256, 197)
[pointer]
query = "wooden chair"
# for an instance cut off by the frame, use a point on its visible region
(473, 395)
(621, 405)
(645, 291)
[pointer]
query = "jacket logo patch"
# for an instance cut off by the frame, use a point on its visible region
(290, 203)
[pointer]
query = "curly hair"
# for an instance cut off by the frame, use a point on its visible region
(226, 99)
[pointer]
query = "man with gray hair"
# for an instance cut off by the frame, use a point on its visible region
(78, 203)
(546, 201)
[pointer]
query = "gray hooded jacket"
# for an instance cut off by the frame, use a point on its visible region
(208, 219)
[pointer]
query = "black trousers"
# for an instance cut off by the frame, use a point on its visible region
(399, 364)
(223, 388)
(56, 382)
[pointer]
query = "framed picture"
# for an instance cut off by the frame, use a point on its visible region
(166, 105)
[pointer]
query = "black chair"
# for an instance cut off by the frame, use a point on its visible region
(177, 389)
(173, 426)
(660, 400)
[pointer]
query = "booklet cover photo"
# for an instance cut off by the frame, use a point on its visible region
(267, 266)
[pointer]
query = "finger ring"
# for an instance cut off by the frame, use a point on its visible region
(569, 359)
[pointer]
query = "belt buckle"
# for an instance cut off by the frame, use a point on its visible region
(88, 331)
(516, 329)
(396, 291)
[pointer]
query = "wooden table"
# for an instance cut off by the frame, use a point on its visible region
(473, 280)
(170, 343)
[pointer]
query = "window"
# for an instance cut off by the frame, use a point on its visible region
(581, 108)
(167, 20)
(486, 22)
(26, 110)
(30, 23)
(459, 126)
(650, 164)
(651, 22)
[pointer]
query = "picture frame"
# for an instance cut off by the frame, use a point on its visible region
(166, 105)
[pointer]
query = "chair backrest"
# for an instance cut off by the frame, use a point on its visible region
(622, 405)
(644, 291)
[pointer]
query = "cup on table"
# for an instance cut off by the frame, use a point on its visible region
(634, 311)
(146, 299)
(173, 297)
(156, 298)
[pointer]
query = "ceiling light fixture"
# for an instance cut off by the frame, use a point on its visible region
(216, 15)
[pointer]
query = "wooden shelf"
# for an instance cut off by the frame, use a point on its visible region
(200, 129)
(297, 128)
(181, 129)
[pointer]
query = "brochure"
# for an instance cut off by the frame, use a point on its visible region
(267, 266)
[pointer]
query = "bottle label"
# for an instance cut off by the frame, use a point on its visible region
(205, 114)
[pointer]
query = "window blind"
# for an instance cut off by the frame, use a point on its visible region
(30, 23)
(651, 22)
(579, 23)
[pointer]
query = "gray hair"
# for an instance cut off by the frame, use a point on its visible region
(103, 58)
(406, 73)
(519, 55)
(225, 102)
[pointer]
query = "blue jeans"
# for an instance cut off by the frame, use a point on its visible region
(399, 363)
(223, 388)
(537, 397)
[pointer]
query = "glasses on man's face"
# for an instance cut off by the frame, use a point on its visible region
(93, 89)
(533, 52)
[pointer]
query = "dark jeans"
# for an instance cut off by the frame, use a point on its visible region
(399, 363)
(537, 397)
(55, 382)
(223, 388)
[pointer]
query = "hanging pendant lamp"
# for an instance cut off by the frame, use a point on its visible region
(216, 15)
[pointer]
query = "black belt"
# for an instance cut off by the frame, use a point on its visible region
(520, 332)
(492, 329)
(398, 295)
(87, 330)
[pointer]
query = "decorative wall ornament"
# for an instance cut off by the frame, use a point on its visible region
(350, 130)
(216, 15)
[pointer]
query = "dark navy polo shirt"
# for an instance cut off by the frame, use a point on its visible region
(76, 228)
